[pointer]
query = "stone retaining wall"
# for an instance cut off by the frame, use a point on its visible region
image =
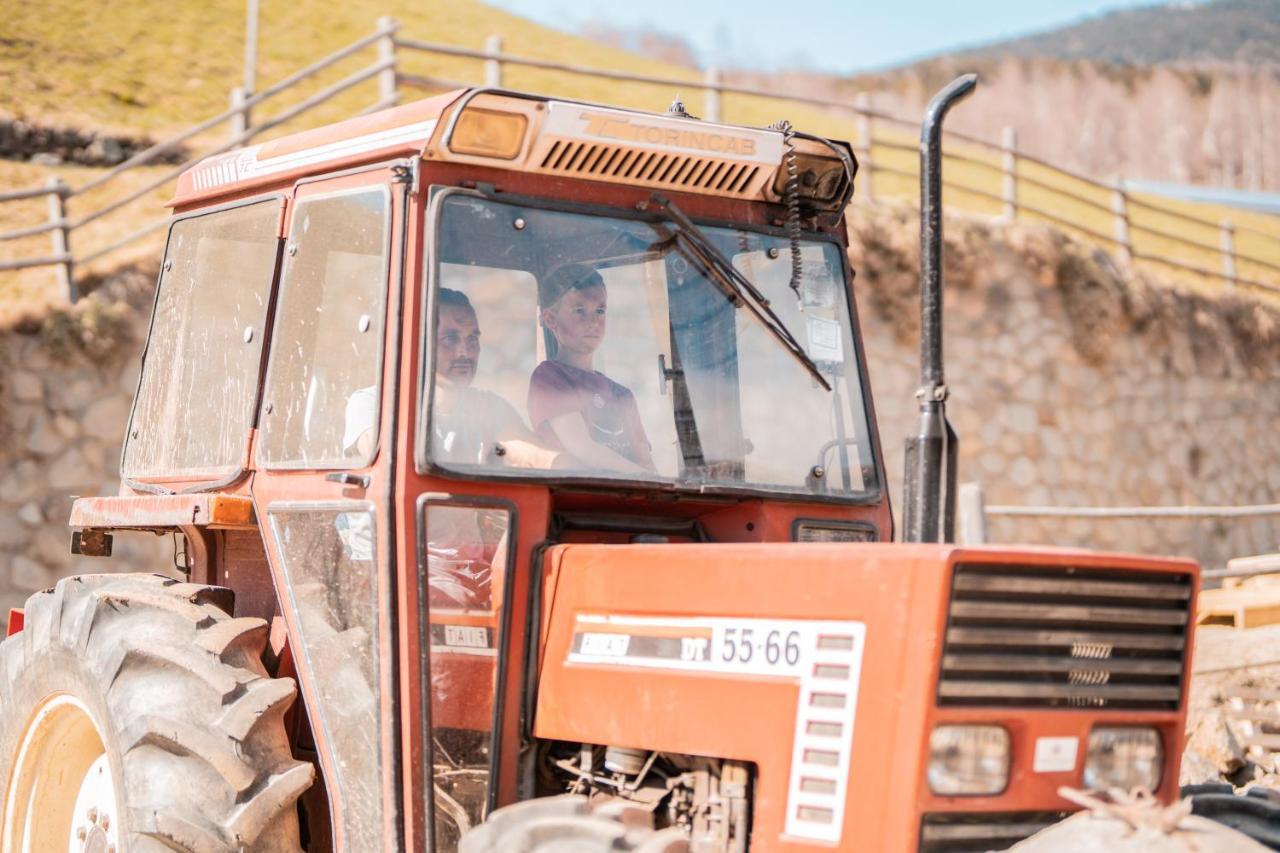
(65, 393)
(1071, 385)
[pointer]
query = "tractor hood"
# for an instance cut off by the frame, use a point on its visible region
(821, 665)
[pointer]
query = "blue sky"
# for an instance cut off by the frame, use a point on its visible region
(829, 35)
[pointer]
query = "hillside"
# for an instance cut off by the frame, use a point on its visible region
(140, 67)
(1181, 92)
(1207, 126)
(128, 70)
(139, 70)
(1230, 31)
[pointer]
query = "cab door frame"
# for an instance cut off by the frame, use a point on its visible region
(363, 483)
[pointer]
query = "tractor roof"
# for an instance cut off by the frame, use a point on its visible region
(503, 129)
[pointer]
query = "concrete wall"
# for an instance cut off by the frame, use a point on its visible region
(1072, 384)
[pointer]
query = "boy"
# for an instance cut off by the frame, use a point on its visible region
(572, 406)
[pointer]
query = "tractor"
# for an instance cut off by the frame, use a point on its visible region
(522, 466)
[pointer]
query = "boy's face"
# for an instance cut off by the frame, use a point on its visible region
(578, 319)
(457, 345)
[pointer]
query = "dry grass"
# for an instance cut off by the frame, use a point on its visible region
(27, 294)
(138, 67)
(1056, 192)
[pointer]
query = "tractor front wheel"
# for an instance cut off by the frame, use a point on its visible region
(136, 715)
(570, 822)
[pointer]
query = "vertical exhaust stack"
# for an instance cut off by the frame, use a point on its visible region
(928, 513)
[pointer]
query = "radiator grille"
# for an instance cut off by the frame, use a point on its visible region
(945, 833)
(1049, 636)
(635, 165)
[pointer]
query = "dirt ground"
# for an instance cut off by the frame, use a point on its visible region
(1227, 661)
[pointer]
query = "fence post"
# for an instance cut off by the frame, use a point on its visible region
(239, 119)
(388, 93)
(1009, 165)
(1120, 207)
(1228, 240)
(711, 85)
(250, 49)
(493, 65)
(973, 514)
(862, 103)
(61, 237)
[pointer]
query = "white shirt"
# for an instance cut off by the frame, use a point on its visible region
(469, 430)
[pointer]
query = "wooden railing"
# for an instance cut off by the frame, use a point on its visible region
(982, 177)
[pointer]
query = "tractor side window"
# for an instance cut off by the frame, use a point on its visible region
(467, 552)
(204, 352)
(328, 556)
(323, 384)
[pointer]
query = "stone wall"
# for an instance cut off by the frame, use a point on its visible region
(1075, 384)
(1072, 384)
(65, 393)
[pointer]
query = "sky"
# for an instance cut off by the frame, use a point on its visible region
(840, 36)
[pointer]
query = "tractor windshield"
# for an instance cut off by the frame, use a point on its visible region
(570, 345)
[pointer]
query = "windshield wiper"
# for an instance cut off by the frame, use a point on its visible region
(736, 287)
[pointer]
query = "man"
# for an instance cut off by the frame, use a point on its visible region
(469, 426)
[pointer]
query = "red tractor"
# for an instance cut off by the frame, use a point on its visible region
(523, 455)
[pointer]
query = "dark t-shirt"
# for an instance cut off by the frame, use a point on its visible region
(609, 409)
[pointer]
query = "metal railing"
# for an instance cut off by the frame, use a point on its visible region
(1020, 186)
(973, 511)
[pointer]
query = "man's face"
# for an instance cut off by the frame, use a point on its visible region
(457, 345)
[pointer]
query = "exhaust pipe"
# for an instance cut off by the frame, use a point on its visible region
(929, 504)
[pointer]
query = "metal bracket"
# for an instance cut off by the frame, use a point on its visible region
(666, 374)
(933, 393)
(91, 543)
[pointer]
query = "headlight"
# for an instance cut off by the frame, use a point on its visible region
(968, 760)
(1123, 757)
(488, 133)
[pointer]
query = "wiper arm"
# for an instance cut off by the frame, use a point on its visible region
(734, 285)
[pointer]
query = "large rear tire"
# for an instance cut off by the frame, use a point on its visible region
(136, 715)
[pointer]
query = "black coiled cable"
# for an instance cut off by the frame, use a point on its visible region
(791, 198)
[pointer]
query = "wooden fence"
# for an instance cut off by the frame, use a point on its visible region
(983, 177)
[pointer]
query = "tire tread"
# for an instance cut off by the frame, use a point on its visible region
(122, 630)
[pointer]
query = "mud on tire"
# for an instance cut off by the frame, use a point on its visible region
(191, 723)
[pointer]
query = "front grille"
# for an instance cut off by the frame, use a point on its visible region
(676, 171)
(945, 833)
(1051, 636)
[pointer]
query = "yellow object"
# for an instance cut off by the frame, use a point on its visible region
(489, 133)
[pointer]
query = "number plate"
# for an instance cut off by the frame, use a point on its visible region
(823, 657)
(461, 639)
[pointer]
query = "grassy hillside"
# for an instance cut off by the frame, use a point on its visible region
(143, 65)
(140, 67)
